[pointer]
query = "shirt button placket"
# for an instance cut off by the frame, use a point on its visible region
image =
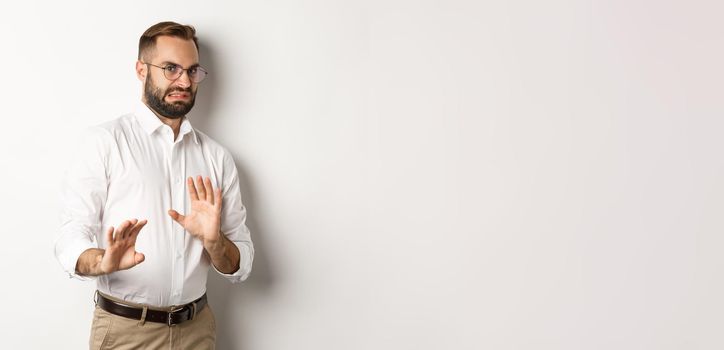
(178, 195)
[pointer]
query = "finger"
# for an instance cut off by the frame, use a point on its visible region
(129, 230)
(177, 217)
(137, 229)
(139, 258)
(141, 223)
(217, 198)
(121, 228)
(109, 235)
(200, 188)
(192, 189)
(209, 190)
(131, 225)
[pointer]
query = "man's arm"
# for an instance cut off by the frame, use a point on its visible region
(204, 223)
(89, 262)
(84, 191)
(224, 255)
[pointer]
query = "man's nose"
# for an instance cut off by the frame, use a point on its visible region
(184, 80)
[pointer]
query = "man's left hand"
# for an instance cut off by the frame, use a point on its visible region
(204, 220)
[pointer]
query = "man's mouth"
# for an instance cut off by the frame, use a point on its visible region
(179, 96)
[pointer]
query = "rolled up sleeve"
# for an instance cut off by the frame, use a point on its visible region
(233, 221)
(83, 196)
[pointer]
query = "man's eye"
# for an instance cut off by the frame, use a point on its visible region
(171, 68)
(193, 70)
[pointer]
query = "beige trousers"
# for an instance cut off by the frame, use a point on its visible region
(110, 331)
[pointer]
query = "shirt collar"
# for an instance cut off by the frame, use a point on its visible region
(150, 122)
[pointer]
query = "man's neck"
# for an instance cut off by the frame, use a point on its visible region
(174, 123)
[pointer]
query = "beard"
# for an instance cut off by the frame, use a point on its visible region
(156, 100)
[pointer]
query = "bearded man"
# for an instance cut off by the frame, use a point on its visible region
(149, 204)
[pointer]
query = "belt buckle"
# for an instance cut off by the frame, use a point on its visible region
(170, 314)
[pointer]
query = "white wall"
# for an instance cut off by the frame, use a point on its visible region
(418, 174)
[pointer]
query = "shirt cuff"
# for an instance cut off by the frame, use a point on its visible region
(69, 259)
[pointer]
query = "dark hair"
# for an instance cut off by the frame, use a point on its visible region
(148, 39)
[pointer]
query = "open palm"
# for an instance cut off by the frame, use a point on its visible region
(204, 220)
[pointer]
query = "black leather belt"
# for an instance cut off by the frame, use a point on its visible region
(178, 315)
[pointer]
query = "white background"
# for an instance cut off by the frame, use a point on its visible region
(418, 174)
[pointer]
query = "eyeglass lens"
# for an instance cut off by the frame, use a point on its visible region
(173, 72)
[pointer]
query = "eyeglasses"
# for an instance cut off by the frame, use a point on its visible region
(174, 71)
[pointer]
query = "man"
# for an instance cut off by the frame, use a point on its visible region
(123, 198)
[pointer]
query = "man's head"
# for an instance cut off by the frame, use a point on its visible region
(168, 66)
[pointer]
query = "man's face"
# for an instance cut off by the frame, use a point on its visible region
(171, 99)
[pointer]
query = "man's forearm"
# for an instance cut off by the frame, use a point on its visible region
(89, 262)
(224, 255)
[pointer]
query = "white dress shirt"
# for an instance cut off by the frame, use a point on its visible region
(129, 168)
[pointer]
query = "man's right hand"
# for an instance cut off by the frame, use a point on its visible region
(120, 252)
(121, 247)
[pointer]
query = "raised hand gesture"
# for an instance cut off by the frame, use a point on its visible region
(120, 253)
(204, 220)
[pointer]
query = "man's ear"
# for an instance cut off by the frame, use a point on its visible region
(141, 70)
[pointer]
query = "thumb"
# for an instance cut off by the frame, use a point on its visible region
(176, 216)
(139, 258)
